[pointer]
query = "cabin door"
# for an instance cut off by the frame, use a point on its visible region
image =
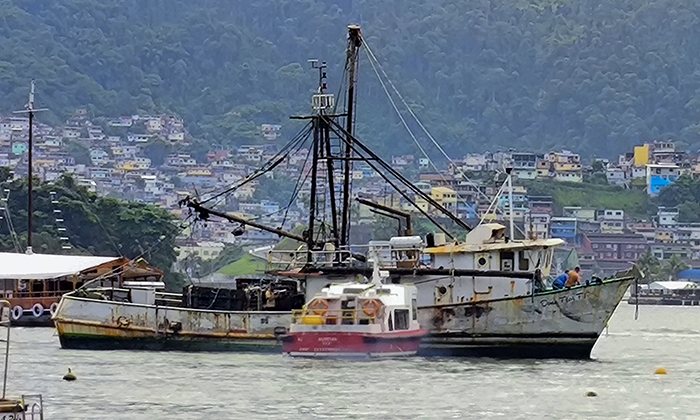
(507, 261)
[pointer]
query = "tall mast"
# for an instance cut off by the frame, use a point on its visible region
(312, 199)
(326, 133)
(354, 43)
(509, 172)
(29, 108)
(321, 146)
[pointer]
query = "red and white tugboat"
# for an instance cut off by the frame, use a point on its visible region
(357, 319)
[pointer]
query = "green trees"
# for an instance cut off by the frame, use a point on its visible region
(685, 195)
(536, 74)
(654, 269)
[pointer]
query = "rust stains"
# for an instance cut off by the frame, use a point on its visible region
(477, 310)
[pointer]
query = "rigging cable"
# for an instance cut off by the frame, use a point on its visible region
(272, 163)
(13, 234)
(372, 58)
(390, 170)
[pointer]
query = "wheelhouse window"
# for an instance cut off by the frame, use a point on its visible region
(401, 319)
(414, 309)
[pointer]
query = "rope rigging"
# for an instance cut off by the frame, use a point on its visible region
(292, 146)
(377, 68)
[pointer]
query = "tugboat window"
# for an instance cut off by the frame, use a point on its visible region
(391, 323)
(401, 319)
(414, 309)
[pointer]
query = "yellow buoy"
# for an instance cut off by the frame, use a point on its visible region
(660, 371)
(591, 394)
(69, 376)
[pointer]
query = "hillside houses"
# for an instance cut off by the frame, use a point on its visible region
(115, 156)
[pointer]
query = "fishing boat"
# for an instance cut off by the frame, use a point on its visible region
(28, 406)
(356, 319)
(248, 314)
(480, 290)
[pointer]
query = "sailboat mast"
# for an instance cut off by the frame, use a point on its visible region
(354, 43)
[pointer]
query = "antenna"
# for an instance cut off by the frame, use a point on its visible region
(321, 100)
(321, 73)
(509, 172)
(29, 109)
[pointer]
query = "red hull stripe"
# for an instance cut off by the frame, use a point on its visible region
(352, 343)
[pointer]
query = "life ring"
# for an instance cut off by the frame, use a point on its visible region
(37, 310)
(53, 308)
(319, 307)
(17, 313)
(371, 307)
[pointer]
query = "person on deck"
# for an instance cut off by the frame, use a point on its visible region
(574, 277)
(560, 281)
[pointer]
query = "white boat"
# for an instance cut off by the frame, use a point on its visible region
(485, 296)
(355, 320)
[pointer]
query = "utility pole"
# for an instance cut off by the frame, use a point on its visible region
(29, 109)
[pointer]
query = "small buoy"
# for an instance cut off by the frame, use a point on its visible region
(660, 371)
(69, 376)
(591, 394)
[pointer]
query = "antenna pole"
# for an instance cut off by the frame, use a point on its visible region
(30, 203)
(326, 133)
(29, 109)
(509, 171)
(354, 43)
(312, 198)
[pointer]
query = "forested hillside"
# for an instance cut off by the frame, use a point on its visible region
(596, 77)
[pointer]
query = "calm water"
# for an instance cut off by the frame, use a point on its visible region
(146, 385)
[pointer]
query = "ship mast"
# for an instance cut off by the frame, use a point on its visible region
(29, 109)
(351, 64)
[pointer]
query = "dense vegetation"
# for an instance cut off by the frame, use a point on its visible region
(683, 194)
(655, 270)
(534, 74)
(94, 225)
(634, 201)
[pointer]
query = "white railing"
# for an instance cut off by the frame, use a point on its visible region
(358, 256)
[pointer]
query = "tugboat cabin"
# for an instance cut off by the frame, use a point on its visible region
(370, 307)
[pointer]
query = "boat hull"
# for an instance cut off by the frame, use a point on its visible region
(29, 320)
(554, 324)
(352, 344)
(94, 324)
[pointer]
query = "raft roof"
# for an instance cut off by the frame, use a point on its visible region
(46, 266)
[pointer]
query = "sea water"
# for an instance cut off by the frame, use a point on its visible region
(173, 385)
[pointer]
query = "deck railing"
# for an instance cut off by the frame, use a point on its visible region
(357, 256)
(333, 317)
(34, 407)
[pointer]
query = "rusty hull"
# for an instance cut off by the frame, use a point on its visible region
(564, 323)
(100, 324)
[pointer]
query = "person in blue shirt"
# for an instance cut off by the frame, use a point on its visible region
(560, 281)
